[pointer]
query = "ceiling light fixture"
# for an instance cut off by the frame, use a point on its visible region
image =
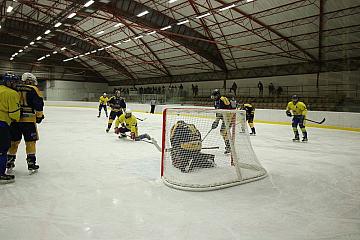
(58, 24)
(202, 16)
(150, 33)
(32, 43)
(140, 36)
(21, 50)
(93, 51)
(108, 47)
(47, 55)
(9, 9)
(89, 3)
(118, 25)
(183, 22)
(47, 31)
(143, 13)
(25, 47)
(172, 1)
(100, 49)
(38, 38)
(101, 32)
(55, 52)
(71, 15)
(127, 40)
(117, 44)
(164, 28)
(226, 8)
(63, 49)
(87, 53)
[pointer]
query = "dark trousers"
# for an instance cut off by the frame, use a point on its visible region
(152, 109)
(5, 142)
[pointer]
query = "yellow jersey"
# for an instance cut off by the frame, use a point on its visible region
(298, 109)
(31, 102)
(130, 123)
(103, 100)
(9, 105)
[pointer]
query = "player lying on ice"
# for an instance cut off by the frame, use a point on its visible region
(186, 148)
(129, 124)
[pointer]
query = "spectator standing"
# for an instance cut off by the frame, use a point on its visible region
(152, 104)
(261, 88)
(271, 89)
(279, 91)
(233, 88)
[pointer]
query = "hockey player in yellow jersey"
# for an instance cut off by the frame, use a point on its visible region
(118, 106)
(103, 104)
(32, 105)
(9, 111)
(222, 102)
(299, 112)
(128, 123)
(250, 113)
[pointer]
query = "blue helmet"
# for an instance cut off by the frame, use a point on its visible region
(9, 78)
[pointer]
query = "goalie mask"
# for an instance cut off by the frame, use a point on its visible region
(29, 78)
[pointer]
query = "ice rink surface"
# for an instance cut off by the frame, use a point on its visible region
(92, 185)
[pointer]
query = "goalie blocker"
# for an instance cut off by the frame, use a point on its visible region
(190, 162)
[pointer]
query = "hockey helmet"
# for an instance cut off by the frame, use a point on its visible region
(10, 80)
(215, 94)
(128, 113)
(117, 93)
(104, 94)
(294, 98)
(29, 78)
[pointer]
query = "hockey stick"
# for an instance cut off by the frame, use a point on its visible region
(207, 134)
(321, 122)
(141, 119)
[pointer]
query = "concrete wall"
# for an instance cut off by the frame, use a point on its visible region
(74, 91)
(336, 120)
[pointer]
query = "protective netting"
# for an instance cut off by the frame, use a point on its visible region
(206, 149)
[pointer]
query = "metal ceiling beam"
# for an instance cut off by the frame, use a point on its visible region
(128, 9)
(75, 44)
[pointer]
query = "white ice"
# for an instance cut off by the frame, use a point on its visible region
(92, 185)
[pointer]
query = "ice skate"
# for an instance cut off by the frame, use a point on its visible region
(107, 130)
(4, 179)
(252, 134)
(122, 135)
(227, 150)
(10, 165)
(33, 168)
(305, 139)
(296, 139)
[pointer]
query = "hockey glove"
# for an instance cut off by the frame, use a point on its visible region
(132, 136)
(117, 130)
(215, 124)
(288, 113)
(39, 119)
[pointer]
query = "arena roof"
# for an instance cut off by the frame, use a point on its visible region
(137, 42)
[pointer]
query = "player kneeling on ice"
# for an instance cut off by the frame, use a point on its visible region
(186, 147)
(129, 124)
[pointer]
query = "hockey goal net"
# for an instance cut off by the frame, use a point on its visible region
(207, 149)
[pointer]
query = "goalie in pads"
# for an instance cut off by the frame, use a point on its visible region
(186, 147)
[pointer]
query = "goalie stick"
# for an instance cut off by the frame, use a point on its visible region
(205, 148)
